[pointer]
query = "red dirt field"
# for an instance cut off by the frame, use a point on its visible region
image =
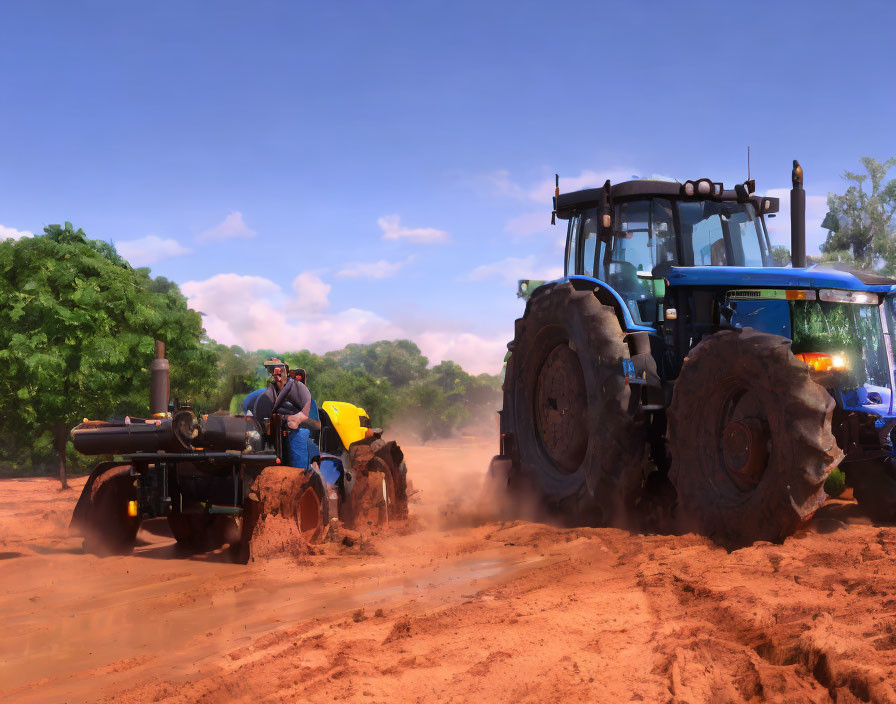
(448, 608)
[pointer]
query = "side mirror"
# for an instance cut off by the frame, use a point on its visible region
(606, 219)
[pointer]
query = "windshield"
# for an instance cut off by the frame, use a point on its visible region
(722, 234)
(853, 331)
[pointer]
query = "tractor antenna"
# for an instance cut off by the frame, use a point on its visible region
(748, 163)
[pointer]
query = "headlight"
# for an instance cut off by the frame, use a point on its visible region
(823, 362)
(833, 295)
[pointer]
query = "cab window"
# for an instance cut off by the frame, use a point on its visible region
(591, 246)
(722, 234)
(643, 238)
(572, 241)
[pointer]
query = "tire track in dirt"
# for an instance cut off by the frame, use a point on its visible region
(514, 612)
(801, 622)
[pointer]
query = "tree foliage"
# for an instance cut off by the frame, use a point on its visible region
(391, 381)
(862, 221)
(77, 325)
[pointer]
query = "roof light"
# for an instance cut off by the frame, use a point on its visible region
(689, 188)
(836, 296)
(704, 187)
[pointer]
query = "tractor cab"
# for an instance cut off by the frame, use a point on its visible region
(631, 234)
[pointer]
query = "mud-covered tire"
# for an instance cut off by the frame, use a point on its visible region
(105, 523)
(750, 435)
(296, 495)
(378, 491)
(579, 431)
(393, 460)
(874, 487)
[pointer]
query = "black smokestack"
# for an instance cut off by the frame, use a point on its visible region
(797, 218)
(158, 381)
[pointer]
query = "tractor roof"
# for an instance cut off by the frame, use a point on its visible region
(643, 188)
(816, 276)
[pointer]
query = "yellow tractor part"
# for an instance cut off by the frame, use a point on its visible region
(346, 418)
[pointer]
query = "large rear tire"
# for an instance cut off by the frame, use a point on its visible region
(751, 441)
(579, 431)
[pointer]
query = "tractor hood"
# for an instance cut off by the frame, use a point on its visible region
(811, 277)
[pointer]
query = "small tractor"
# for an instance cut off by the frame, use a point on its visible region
(216, 478)
(677, 352)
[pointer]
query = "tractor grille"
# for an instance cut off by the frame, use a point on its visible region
(744, 295)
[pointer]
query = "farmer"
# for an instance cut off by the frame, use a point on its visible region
(294, 400)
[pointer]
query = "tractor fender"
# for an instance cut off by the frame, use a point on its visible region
(82, 507)
(636, 336)
(609, 297)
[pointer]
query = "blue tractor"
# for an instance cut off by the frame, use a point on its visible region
(678, 352)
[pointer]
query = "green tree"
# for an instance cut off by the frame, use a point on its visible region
(76, 331)
(399, 361)
(860, 222)
(780, 256)
(329, 380)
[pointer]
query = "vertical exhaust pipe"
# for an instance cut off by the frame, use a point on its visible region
(159, 381)
(797, 218)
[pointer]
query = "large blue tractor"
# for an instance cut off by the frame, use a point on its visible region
(677, 352)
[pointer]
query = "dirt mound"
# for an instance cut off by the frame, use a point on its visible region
(285, 512)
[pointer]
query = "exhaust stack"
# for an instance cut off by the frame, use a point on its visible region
(797, 218)
(159, 382)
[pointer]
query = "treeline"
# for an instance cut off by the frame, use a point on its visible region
(77, 325)
(391, 380)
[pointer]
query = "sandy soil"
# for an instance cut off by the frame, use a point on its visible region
(448, 609)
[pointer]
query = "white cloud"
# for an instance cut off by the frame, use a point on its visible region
(255, 313)
(779, 226)
(512, 269)
(149, 249)
(393, 230)
(312, 295)
(381, 269)
(476, 354)
(10, 233)
(231, 227)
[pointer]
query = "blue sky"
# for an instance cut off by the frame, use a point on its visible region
(314, 174)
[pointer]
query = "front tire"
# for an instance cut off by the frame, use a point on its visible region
(279, 493)
(751, 441)
(578, 428)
